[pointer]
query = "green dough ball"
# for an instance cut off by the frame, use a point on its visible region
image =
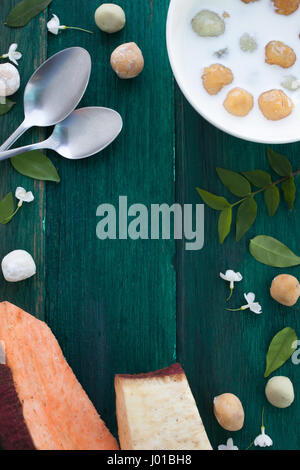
(280, 392)
(208, 23)
(110, 18)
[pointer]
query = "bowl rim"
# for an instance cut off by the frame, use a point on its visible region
(189, 96)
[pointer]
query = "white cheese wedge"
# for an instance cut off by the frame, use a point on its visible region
(157, 411)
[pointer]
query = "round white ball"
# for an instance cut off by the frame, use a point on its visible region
(280, 391)
(9, 79)
(17, 266)
(110, 18)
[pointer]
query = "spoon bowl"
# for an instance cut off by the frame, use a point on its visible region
(54, 90)
(83, 133)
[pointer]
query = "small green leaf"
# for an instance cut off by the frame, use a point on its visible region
(289, 190)
(215, 202)
(7, 207)
(224, 224)
(280, 164)
(24, 11)
(258, 178)
(6, 107)
(267, 250)
(272, 199)
(282, 346)
(35, 165)
(234, 182)
(245, 218)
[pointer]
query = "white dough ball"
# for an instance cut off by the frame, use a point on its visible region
(110, 18)
(280, 392)
(17, 266)
(9, 79)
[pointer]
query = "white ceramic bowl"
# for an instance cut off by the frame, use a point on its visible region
(259, 129)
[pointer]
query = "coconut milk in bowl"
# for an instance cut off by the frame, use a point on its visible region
(238, 64)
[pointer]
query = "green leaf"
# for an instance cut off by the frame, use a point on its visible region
(6, 107)
(267, 250)
(234, 182)
(24, 11)
(215, 202)
(289, 190)
(272, 199)
(35, 165)
(224, 224)
(280, 350)
(279, 163)
(245, 218)
(7, 207)
(258, 178)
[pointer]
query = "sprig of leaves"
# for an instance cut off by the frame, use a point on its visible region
(24, 11)
(239, 184)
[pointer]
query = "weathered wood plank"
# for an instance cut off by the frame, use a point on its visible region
(112, 303)
(225, 351)
(26, 229)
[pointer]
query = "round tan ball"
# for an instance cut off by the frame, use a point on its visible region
(285, 289)
(239, 102)
(127, 60)
(275, 105)
(229, 412)
(110, 18)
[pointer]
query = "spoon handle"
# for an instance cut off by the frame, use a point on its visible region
(20, 150)
(11, 140)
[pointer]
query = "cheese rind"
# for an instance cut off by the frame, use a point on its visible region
(157, 411)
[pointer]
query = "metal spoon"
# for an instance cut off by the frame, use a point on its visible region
(83, 133)
(54, 90)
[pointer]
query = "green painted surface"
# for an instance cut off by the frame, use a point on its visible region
(132, 306)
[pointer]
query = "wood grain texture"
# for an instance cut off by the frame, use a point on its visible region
(26, 229)
(225, 351)
(112, 304)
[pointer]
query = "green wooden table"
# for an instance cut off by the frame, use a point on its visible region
(134, 306)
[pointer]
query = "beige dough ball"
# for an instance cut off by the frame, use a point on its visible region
(278, 53)
(9, 79)
(110, 18)
(275, 105)
(285, 289)
(238, 102)
(216, 77)
(127, 60)
(280, 392)
(229, 412)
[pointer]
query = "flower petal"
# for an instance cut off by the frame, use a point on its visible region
(29, 197)
(256, 307)
(250, 297)
(54, 24)
(20, 193)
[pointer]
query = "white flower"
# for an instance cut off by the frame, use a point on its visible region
(13, 55)
(228, 446)
(231, 277)
(54, 25)
(254, 306)
(23, 196)
(263, 440)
